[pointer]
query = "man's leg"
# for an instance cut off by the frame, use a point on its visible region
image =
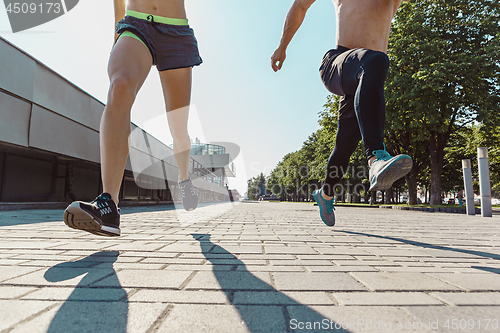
(346, 141)
(364, 73)
(129, 65)
(176, 85)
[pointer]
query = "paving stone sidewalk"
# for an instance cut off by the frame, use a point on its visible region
(252, 267)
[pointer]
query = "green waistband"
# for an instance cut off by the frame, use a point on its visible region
(156, 18)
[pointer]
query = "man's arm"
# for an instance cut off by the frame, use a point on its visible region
(119, 12)
(293, 21)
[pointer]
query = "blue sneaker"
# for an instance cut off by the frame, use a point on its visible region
(325, 208)
(385, 169)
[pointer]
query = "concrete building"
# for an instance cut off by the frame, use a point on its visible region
(49, 143)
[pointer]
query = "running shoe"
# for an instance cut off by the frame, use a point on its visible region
(386, 169)
(325, 208)
(99, 217)
(189, 196)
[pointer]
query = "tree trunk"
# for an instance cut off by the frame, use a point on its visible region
(436, 148)
(390, 196)
(411, 182)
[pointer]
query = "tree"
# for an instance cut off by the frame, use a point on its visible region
(255, 186)
(445, 67)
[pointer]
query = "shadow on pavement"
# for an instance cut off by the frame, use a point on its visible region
(436, 247)
(90, 309)
(264, 316)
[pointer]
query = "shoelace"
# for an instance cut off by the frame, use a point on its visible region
(185, 189)
(329, 206)
(382, 155)
(103, 207)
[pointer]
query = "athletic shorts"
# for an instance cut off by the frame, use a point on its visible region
(170, 41)
(331, 72)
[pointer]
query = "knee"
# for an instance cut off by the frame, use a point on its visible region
(376, 62)
(121, 91)
(180, 135)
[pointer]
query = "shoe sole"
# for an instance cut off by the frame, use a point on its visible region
(77, 218)
(397, 169)
(321, 209)
(190, 208)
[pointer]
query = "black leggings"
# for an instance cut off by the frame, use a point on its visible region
(358, 75)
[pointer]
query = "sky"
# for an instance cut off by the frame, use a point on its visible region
(236, 96)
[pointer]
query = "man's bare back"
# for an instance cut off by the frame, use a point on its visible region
(365, 23)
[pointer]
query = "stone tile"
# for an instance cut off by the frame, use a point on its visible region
(345, 269)
(179, 247)
(365, 263)
(238, 249)
(472, 282)
(224, 319)
(354, 319)
(11, 262)
(15, 311)
(438, 317)
(492, 298)
(412, 269)
(228, 280)
(192, 268)
(61, 277)
(180, 296)
(386, 281)
(145, 279)
(281, 298)
(34, 244)
(289, 250)
(14, 271)
(142, 316)
(47, 263)
(316, 282)
(269, 268)
(300, 263)
(80, 317)
(14, 292)
(124, 265)
(386, 298)
(173, 261)
(136, 246)
(77, 294)
(266, 257)
(340, 250)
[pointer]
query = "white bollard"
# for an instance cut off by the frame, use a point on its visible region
(469, 190)
(484, 181)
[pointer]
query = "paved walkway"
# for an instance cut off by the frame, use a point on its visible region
(252, 267)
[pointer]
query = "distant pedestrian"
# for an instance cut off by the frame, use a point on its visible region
(460, 197)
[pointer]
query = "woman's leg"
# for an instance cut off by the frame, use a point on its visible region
(129, 65)
(176, 85)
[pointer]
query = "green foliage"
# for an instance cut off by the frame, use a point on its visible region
(442, 96)
(256, 186)
(444, 75)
